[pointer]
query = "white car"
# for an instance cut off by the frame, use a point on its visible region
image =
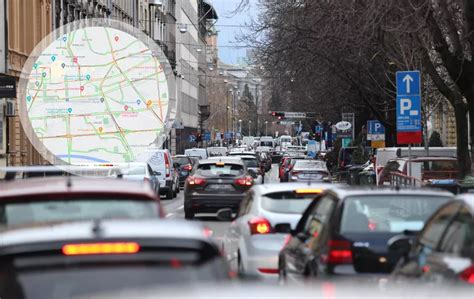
(251, 244)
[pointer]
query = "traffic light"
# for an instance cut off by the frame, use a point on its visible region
(280, 115)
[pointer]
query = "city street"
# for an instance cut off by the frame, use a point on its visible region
(175, 209)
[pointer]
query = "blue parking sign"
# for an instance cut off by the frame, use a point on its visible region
(408, 113)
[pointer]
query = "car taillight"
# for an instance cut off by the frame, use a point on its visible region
(196, 181)
(339, 252)
(260, 226)
(188, 167)
(295, 172)
(247, 181)
(167, 165)
(101, 248)
(468, 274)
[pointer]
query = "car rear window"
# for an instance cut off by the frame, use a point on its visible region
(92, 281)
(388, 214)
(440, 165)
(210, 170)
(287, 202)
(182, 160)
(316, 165)
(44, 211)
(251, 163)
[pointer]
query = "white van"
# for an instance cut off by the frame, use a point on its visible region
(196, 152)
(267, 141)
(385, 154)
(161, 163)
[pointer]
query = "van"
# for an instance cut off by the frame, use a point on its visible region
(383, 155)
(216, 151)
(196, 152)
(267, 141)
(161, 163)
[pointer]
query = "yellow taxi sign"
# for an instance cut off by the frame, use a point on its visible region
(309, 191)
(220, 164)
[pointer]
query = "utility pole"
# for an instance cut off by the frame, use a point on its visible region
(256, 104)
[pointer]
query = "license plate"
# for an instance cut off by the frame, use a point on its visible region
(220, 187)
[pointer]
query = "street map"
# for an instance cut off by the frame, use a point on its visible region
(97, 94)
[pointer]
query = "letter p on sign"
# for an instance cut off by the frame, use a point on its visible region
(405, 105)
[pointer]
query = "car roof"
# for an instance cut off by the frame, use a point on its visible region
(430, 158)
(343, 192)
(213, 160)
(247, 157)
(109, 229)
(266, 188)
(468, 199)
(79, 185)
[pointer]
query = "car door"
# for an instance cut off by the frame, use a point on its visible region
(235, 231)
(427, 242)
(455, 251)
(304, 243)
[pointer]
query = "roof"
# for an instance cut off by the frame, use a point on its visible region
(346, 191)
(109, 229)
(272, 188)
(213, 160)
(468, 199)
(426, 158)
(59, 185)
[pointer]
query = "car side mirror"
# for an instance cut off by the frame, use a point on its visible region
(225, 215)
(253, 173)
(283, 228)
(156, 173)
(401, 244)
(302, 236)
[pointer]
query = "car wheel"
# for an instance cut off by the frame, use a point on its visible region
(169, 194)
(282, 277)
(175, 193)
(188, 214)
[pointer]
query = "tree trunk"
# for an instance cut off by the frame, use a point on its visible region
(464, 160)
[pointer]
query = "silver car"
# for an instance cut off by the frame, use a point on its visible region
(309, 171)
(251, 243)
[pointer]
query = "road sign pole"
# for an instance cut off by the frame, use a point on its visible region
(409, 160)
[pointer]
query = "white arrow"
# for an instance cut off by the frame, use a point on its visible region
(408, 79)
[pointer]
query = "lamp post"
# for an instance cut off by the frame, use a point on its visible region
(227, 119)
(250, 123)
(266, 132)
(240, 128)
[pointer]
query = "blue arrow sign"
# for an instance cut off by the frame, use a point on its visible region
(408, 83)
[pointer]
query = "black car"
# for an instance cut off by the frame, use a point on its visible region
(184, 166)
(215, 184)
(444, 250)
(346, 231)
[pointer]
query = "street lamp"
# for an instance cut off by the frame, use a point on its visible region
(227, 119)
(266, 132)
(250, 122)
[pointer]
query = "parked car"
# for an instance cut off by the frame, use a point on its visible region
(184, 165)
(85, 259)
(250, 243)
(162, 164)
(347, 230)
(309, 171)
(444, 250)
(432, 168)
(45, 200)
(215, 184)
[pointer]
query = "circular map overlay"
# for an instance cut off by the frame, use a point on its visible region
(96, 94)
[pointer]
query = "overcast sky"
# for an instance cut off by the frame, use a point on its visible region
(228, 27)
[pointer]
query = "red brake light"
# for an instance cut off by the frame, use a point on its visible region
(187, 167)
(260, 226)
(167, 165)
(101, 248)
(247, 181)
(268, 270)
(196, 181)
(339, 252)
(468, 274)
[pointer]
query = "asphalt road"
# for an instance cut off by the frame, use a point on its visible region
(175, 209)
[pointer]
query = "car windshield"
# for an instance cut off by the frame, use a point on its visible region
(212, 170)
(43, 211)
(388, 213)
(287, 202)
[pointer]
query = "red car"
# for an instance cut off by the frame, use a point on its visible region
(58, 199)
